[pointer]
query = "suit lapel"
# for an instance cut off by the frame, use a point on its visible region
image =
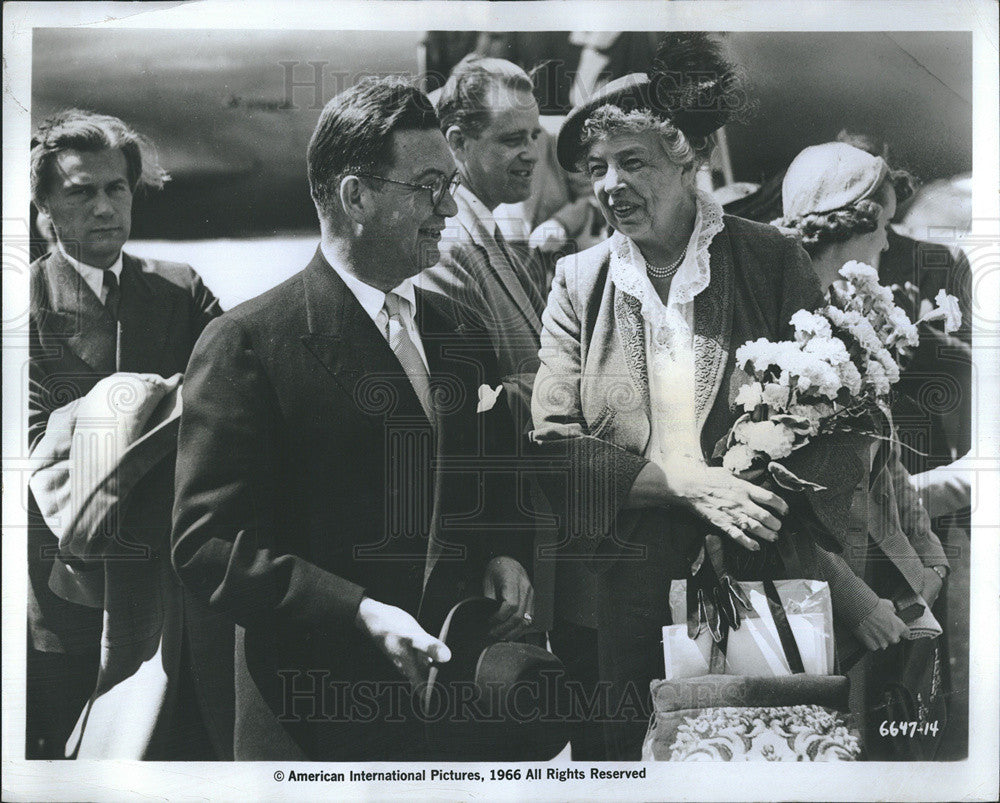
(347, 343)
(452, 378)
(713, 328)
(145, 313)
(498, 263)
(77, 316)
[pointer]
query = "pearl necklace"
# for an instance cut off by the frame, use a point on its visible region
(670, 270)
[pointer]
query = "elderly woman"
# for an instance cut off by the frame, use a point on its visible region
(839, 200)
(637, 379)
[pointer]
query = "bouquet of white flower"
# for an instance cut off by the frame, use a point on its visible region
(829, 383)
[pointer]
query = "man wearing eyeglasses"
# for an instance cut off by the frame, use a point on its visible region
(315, 505)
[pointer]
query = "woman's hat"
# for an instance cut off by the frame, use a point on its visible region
(830, 176)
(493, 701)
(687, 85)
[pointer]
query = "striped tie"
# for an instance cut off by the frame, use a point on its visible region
(407, 354)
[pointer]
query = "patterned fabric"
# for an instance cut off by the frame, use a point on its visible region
(405, 350)
(531, 285)
(778, 733)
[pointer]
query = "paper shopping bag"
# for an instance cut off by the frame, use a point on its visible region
(755, 648)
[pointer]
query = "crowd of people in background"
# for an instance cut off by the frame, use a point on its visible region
(488, 297)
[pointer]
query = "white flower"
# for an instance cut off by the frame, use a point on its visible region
(901, 328)
(774, 440)
(858, 326)
(850, 377)
(819, 377)
(809, 323)
(876, 377)
(749, 396)
(889, 364)
(775, 396)
(739, 458)
(859, 274)
(946, 310)
(763, 353)
(829, 349)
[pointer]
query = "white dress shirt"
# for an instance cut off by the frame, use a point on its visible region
(94, 277)
(372, 301)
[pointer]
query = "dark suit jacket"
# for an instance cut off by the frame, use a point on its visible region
(164, 308)
(481, 287)
(74, 343)
(307, 477)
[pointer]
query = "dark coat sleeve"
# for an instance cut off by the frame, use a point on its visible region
(40, 400)
(227, 531)
(799, 285)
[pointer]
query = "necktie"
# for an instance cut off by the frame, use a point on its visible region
(407, 354)
(113, 294)
(531, 288)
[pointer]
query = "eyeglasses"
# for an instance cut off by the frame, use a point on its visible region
(438, 188)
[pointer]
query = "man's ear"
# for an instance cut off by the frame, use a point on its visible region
(352, 200)
(456, 140)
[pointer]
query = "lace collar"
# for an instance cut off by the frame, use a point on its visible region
(628, 266)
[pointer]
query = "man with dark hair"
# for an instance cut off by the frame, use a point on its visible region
(489, 117)
(315, 505)
(95, 311)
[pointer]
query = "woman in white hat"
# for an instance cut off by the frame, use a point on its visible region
(637, 377)
(839, 200)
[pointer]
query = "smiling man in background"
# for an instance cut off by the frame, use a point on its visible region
(489, 117)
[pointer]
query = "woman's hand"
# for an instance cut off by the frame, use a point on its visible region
(738, 508)
(881, 627)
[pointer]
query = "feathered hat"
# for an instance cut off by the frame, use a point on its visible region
(689, 84)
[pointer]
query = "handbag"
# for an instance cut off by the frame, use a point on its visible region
(909, 715)
(730, 717)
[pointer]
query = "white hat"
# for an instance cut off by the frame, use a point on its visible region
(830, 176)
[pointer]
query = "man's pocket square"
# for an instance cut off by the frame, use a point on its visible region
(487, 397)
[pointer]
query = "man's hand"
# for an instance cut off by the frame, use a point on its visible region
(881, 627)
(507, 581)
(404, 642)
